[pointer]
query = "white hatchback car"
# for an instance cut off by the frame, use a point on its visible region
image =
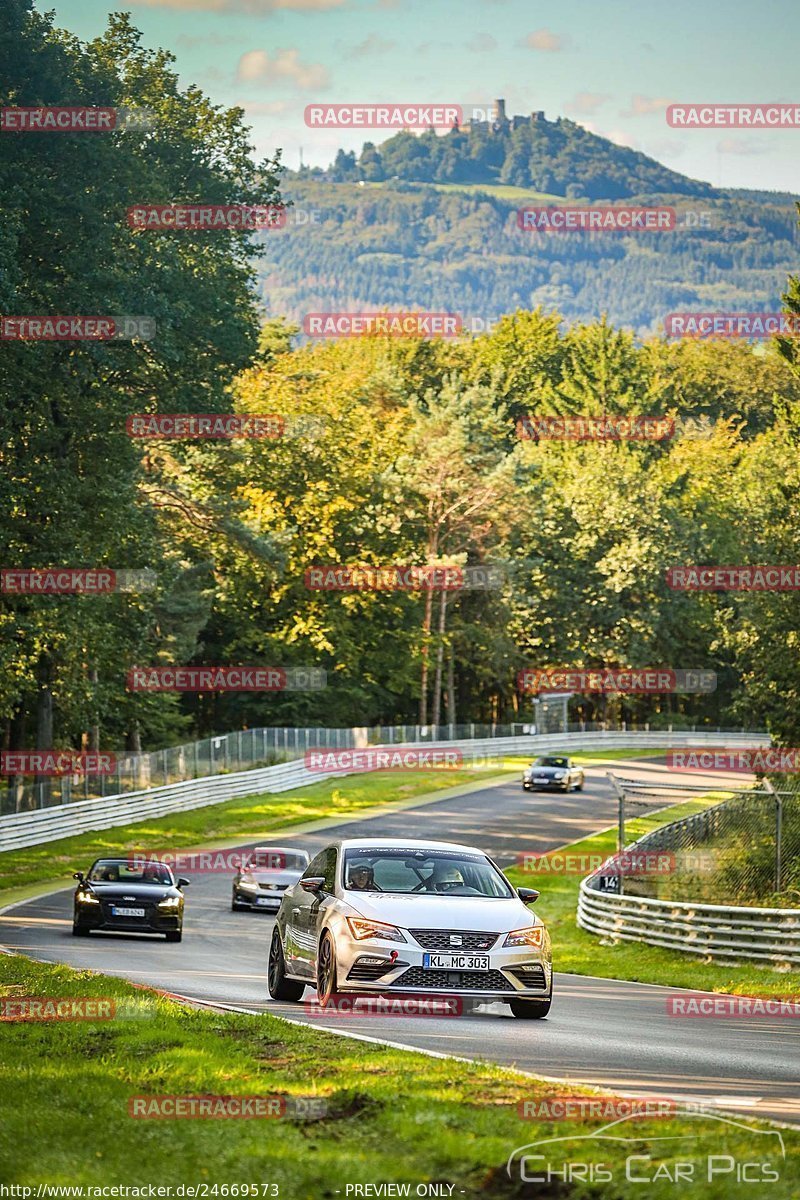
(391, 916)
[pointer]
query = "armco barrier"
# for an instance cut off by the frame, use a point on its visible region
(65, 820)
(716, 930)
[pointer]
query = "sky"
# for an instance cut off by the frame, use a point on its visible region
(609, 64)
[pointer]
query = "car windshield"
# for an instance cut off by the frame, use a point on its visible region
(551, 761)
(424, 872)
(120, 870)
(277, 860)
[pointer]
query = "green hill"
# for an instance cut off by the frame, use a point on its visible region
(430, 222)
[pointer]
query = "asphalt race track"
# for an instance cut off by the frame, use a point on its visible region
(602, 1032)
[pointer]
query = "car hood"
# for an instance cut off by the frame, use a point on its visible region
(150, 893)
(284, 878)
(443, 912)
(546, 770)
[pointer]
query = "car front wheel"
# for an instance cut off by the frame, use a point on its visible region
(79, 930)
(281, 988)
(326, 970)
(174, 935)
(530, 1010)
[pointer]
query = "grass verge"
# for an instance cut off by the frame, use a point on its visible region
(392, 1116)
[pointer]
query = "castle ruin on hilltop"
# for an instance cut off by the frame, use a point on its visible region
(501, 122)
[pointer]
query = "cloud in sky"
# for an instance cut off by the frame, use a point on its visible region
(743, 146)
(544, 40)
(642, 106)
(481, 43)
(251, 8)
(586, 102)
(371, 45)
(256, 66)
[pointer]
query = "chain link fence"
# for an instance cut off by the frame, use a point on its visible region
(733, 845)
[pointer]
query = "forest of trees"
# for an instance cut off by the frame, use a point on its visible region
(411, 457)
(558, 156)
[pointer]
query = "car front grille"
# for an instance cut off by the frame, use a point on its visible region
(443, 981)
(273, 887)
(531, 976)
(439, 939)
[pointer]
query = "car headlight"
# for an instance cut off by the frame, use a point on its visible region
(248, 885)
(170, 902)
(87, 898)
(559, 774)
(362, 929)
(532, 935)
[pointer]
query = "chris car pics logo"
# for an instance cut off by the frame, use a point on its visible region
(623, 1152)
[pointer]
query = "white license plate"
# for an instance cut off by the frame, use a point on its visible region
(266, 899)
(456, 962)
(127, 912)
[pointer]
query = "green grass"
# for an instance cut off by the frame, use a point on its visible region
(582, 953)
(504, 191)
(392, 1116)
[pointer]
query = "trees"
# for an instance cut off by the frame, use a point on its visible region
(76, 490)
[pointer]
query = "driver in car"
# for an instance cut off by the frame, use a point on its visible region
(444, 878)
(362, 878)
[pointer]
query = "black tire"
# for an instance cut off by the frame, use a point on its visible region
(174, 936)
(236, 906)
(531, 1010)
(79, 930)
(280, 987)
(327, 981)
(579, 786)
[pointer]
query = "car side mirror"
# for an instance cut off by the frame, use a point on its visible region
(315, 883)
(78, 875)
(528, 895)
(183, 882)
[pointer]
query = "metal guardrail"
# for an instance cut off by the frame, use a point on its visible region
(721, 931)
(65, 820)
(716, 930)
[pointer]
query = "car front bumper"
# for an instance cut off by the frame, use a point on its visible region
(262, 901)
(366, 967)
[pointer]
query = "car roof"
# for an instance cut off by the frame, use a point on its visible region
(401, 844)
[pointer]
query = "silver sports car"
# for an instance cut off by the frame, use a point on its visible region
(395, 916)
